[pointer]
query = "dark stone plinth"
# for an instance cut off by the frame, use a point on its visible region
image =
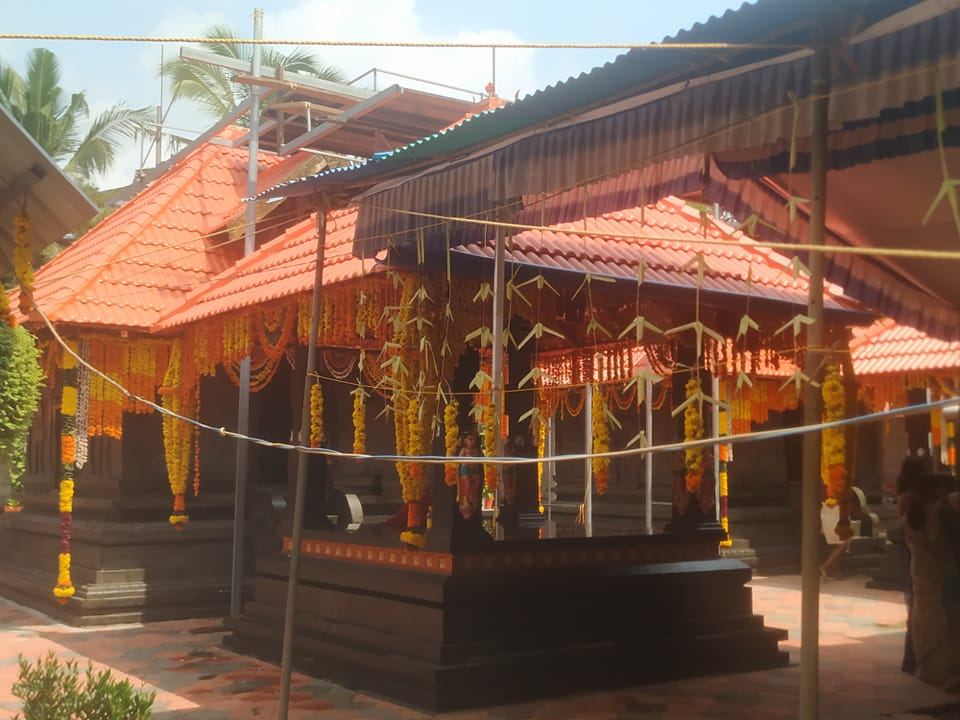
(514, 621)
(123, 571)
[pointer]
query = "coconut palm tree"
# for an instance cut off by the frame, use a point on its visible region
(213, 88)
(57, 120)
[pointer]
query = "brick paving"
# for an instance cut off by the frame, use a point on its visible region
(196, 679)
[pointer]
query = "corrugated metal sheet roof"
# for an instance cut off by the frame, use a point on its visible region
(282, 268)
(639, 70)
(661, 230)
(54, 202)
(888, 348)
(146, 257)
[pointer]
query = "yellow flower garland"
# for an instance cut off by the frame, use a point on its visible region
(22, 259)
(451, 438)
(317, 433)
(601, 440)
(414, 448)
(833, 464)
(359, 420)
(177, 436)
(693, 430)
(64, 589)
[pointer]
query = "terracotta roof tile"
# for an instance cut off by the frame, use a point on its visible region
(282, 268)
(886, 347)
(146, 257)
(660, 232)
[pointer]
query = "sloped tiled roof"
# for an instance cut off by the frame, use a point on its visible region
(145, 258)
(887, 348)
(658, 239)
(281, 268)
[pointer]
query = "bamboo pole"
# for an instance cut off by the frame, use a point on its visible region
(813, 402)
(499, 343)
(587, 464)
(243, 403)
(296, 536)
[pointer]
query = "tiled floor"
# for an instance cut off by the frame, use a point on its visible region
(862, 639)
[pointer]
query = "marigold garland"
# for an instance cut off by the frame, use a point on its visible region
(22, 259)
(451, 440)
(490, 475)
(833, 467)
(600, 431)
(541, 452)
(177, 435)
(317, 432)
(415, 472)
(359, 420)
(693, 430)
(64, 589)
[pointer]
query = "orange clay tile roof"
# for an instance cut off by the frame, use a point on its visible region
(663, 232)
(145, 258)
(887, 348)
(282, 268)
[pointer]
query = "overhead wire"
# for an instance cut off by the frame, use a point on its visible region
(437, 44)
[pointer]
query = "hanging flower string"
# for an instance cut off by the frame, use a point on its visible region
(176, 436)
(64, 589)
(833, 467)
(692, 430)
(359, 420)
(317, 434)
(725, 457)
(600, 431)
(451, 437)
(83, 406)
(22, 259)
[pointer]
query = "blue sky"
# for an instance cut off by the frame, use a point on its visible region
(111, 72)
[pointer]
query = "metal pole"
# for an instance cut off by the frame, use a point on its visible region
(648, 460)
(499, 342)
(587, 464)
(296, 536)
(812, 401)
(715, 423)
(243, 405)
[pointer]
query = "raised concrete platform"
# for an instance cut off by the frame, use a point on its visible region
(519, 620)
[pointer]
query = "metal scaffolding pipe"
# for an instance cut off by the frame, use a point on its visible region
(243, 404)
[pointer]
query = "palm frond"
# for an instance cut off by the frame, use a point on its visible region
(98, 149)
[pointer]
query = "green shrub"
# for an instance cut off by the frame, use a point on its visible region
(20, 380)
(51, 690)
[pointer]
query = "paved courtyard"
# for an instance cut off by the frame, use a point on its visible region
(196, 679)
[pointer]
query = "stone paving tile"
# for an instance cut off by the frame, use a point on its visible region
(196, 679)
